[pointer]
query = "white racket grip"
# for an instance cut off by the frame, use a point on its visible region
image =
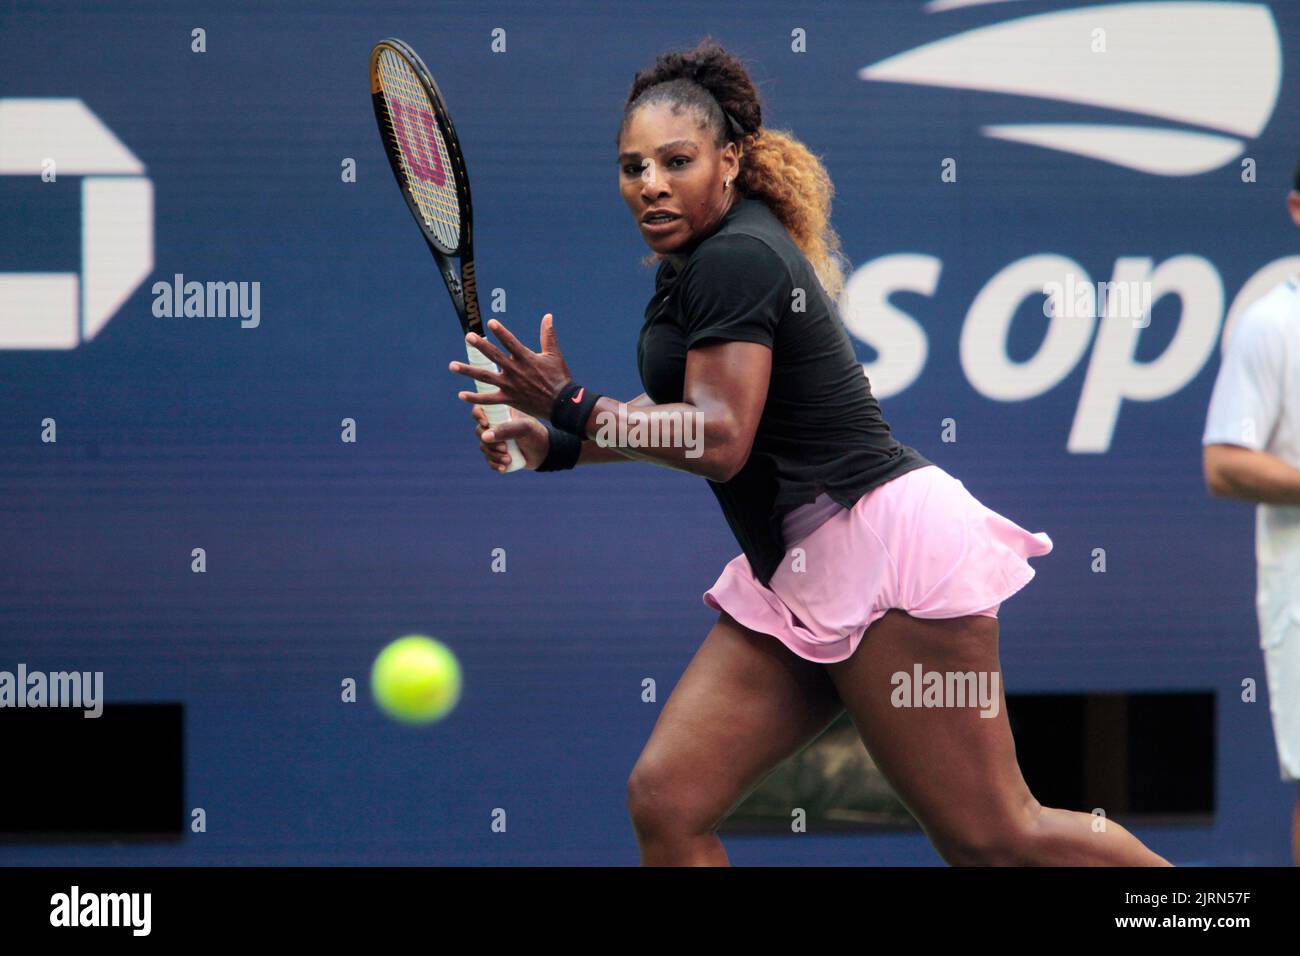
(496, 414)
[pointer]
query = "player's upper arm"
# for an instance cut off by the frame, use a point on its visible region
(1249, 390)
(735, 289)
(727, 382)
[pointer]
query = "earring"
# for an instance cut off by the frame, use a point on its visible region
(726, 183)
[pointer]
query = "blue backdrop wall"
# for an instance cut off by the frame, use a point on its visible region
(178, 433)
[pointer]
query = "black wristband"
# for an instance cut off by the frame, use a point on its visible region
(571, 416)
(562, 452)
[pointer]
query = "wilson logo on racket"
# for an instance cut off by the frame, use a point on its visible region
(416, 155)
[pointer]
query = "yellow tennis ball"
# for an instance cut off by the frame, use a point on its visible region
(416, 679)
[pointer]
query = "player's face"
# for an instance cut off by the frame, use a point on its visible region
(667, 161)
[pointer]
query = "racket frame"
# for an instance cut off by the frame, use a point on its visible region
(462, 289)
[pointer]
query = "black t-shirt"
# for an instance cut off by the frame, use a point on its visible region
(821, 430)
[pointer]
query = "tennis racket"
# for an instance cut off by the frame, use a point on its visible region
(425, 155)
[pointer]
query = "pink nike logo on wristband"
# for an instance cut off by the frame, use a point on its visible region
(577, 398)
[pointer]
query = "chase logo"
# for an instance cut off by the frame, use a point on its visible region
(1208, 72)
(52, 138)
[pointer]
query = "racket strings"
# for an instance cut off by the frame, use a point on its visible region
(426, 164)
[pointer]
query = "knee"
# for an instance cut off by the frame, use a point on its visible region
(649, 800)
(661, 805)
(999, 839)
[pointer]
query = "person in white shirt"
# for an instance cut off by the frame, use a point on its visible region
(1252, 453)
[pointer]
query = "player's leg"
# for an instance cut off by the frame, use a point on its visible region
(1282, 670)
(956, 770)
(744, 704)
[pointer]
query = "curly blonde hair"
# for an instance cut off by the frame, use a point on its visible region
(775, 167)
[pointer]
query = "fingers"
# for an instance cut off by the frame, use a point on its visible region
(500, 462)
(508, 339)
(496, 454)
(500, 434)
(490, 350)
(478, 374)
(494, 449)
(483, 398)
(492, 440)
(549, 343)
(504, 432)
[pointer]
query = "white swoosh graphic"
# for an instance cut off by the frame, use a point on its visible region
(940, 6)
(1217, 65)
(1164, 152)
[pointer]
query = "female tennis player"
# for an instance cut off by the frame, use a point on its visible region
(861, 560)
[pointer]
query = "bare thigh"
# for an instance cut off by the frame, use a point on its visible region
(745, 703)
(954, 769)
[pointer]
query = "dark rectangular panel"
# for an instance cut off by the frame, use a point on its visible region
(116, 776)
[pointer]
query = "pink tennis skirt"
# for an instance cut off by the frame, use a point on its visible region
(920, 542)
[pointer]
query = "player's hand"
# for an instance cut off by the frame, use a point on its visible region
(527, 381)
(529, 434)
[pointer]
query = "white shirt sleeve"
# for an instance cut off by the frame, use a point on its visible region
(1247, 396)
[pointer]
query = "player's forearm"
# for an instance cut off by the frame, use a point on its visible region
(593, 454)
(677, 435)
(1259, 477)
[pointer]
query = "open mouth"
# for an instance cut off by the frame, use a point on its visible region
(659, 219)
